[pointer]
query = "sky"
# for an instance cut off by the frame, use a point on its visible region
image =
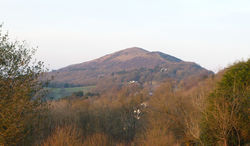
(212, 33)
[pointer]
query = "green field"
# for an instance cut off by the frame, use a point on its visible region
(57, 93)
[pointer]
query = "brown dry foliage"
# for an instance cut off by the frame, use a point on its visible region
(65, 136)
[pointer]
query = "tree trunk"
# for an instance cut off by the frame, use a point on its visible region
(225, 142)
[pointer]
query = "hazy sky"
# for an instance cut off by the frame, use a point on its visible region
(212, 33)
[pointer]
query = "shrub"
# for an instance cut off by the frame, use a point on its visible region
(64, 136)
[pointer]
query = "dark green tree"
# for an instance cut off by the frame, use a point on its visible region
(226, 120)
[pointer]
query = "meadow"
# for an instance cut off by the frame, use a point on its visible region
(58, 93)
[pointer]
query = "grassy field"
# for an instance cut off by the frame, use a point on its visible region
(57, 93)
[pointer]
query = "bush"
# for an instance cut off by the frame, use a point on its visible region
(98, 139)
(64, 136)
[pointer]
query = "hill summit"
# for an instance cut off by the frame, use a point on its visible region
(123, 66)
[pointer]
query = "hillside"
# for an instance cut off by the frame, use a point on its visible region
(132, 64)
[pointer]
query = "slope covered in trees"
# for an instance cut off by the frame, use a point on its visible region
(212, 110)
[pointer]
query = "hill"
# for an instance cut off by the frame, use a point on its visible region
(132, 64)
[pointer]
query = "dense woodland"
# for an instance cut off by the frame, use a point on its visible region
(210, 110)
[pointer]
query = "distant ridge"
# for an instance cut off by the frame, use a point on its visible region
(129, 64)
(168, 57)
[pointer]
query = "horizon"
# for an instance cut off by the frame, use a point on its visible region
(213, 34)
(124, 50)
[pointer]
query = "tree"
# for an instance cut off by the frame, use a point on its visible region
(19, 89)
(226, 119)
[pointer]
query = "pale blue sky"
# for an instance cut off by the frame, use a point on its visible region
(212, 33)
